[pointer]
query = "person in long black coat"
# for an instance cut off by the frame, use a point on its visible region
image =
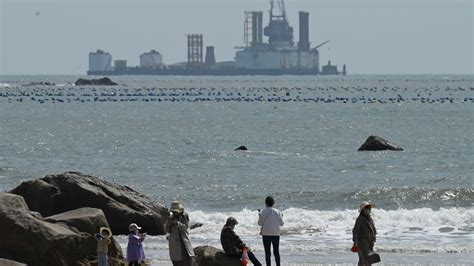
(364, 233)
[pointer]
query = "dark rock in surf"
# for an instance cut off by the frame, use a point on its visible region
(121, 205)
(37, 241)
(211, 256)
(40, 83)
(98, 82)
(374, 143)
(241, 148)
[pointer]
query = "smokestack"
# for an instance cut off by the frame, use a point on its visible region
(303, 44)
(260, 27)
(254, 28)
(257, 28)
(210, 56)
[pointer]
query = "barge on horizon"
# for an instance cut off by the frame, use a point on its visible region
(278, 56)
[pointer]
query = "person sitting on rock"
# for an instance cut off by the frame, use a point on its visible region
(232, 244)
(103, 242)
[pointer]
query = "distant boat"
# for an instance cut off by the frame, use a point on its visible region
(332, 70)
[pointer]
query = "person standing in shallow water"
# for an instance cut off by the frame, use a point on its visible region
(177, 226)
(364, 232)
(270, 219)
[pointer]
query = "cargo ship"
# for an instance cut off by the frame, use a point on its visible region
(279, 56)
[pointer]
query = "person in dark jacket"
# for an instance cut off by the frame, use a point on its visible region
(364, 232)
(232, 244)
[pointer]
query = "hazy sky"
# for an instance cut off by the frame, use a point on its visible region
(370, 36)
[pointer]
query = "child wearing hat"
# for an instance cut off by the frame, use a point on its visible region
(103, 242)
(135, 252)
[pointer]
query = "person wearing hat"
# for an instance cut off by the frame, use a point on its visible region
(177, 226)
(135, 253)
(364, 233)
(103, 242)
(232, 244)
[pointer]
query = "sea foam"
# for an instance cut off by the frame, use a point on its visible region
(399, 231)
(306, 231)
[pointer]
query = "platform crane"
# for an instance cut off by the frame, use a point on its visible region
(281, 6)
(278, 30)
(319, 45)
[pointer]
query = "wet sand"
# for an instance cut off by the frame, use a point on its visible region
(346, 258)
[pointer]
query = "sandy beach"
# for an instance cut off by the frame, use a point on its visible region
(345, 258)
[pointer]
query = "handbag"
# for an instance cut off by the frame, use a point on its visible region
(373, 258)
(244, 258)
(355, 249)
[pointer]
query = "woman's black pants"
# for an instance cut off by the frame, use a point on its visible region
(269, 241)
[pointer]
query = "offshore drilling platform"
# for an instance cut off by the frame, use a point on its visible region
(279, 56)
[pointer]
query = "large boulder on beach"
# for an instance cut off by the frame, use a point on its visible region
(88, 220)
(374, 143)
(36, 241)
(211, 256)
(98, 82)
(121, 205)
(84, 219)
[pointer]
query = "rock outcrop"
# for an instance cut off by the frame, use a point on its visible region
(83, 219)
(121, 205)
(88, 220)
(36, 241)
(374, 143)
(211, 256)
(98, 82)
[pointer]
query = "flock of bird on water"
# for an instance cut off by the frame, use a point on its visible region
(52, 93)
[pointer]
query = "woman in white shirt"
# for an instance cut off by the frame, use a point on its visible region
(270, 219)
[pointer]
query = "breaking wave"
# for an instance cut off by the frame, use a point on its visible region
(399, 231)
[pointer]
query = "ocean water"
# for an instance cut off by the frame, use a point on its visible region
(174, 138)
